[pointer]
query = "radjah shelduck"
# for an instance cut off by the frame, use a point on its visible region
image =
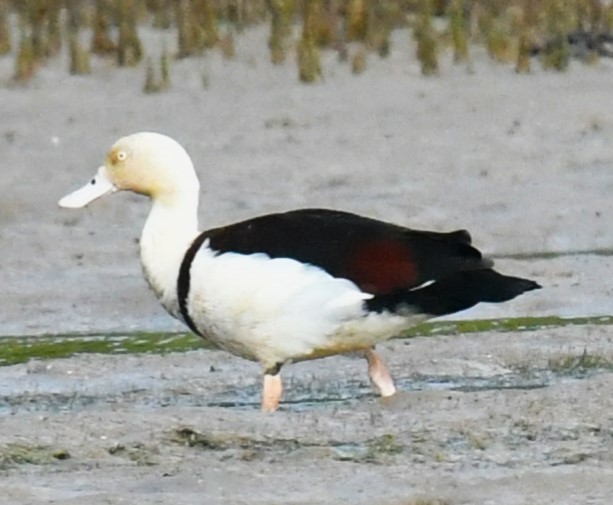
(293, 286)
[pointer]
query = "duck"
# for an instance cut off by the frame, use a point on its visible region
(291, 286)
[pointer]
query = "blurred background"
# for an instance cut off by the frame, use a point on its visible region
(32, 31)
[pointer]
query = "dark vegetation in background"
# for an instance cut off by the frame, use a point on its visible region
(515, 32)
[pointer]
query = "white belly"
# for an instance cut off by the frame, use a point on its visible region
(277, 310)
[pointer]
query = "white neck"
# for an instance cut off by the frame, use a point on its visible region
(168, 232)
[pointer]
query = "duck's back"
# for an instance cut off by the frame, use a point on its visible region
(377, 256)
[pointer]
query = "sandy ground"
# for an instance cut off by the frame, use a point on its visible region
(479, 420)
(523, 162)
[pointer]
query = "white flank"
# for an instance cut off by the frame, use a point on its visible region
(273, 310)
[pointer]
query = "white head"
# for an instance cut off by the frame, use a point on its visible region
(147, 163)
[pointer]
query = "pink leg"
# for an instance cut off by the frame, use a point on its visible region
(379, 374)
(271, 394)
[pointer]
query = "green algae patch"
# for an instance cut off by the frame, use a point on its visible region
(579, 364)
(514, 324)
(20, 349)
(21, 454)
(239, 446)
(227, 441)
(192, 438)
(381, 447)
(378, 450)
(138, 453)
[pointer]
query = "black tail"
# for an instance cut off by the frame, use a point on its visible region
(455, 292)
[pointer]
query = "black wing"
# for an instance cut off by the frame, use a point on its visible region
(383, 259)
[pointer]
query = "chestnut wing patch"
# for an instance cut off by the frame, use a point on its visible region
(382, 266)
